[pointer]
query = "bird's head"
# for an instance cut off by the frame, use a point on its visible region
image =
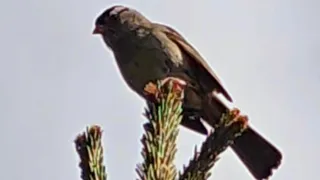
(117, 22)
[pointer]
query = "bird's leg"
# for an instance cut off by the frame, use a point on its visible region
(178, 85)
(175, 80)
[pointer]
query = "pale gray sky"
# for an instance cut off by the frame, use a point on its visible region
(56, 78)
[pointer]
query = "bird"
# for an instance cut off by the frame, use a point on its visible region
(146, 51)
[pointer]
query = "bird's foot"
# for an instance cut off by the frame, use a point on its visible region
(177, 83)
(168, 85)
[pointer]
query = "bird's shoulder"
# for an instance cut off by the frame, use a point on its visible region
(200, 66)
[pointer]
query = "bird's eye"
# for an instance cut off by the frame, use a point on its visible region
(113, 16)
(100, 21)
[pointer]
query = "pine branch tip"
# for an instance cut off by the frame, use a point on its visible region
(89, 148)
(164, 103)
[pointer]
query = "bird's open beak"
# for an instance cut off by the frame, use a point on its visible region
(98, 30)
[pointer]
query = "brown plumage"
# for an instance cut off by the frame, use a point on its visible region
(147, 51)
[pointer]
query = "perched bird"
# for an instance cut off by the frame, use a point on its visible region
(147, 51)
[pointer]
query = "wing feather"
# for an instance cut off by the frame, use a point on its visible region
(202, 68)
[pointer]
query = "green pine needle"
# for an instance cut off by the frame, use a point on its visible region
(90, 150)
(228, 129)
(159, 140)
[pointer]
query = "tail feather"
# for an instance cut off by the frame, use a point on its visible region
(258, 155)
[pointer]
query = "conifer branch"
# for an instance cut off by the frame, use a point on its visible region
(164, 112)
(231, 126)
(159, 141)
(90, 150)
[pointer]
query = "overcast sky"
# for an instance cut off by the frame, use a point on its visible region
(56, 78)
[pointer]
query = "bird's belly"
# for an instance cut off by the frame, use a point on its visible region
(145, 66)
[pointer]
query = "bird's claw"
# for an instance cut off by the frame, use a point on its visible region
(178, 85)
(155, 92)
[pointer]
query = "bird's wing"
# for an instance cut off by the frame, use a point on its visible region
(202, 69)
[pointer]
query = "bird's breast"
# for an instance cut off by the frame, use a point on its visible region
(147, 59)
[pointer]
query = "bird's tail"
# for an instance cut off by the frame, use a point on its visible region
(258, 155)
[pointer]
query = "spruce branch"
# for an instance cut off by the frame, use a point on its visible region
(90, 150)
(164, 112)
(164, 109)
(231, 125)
